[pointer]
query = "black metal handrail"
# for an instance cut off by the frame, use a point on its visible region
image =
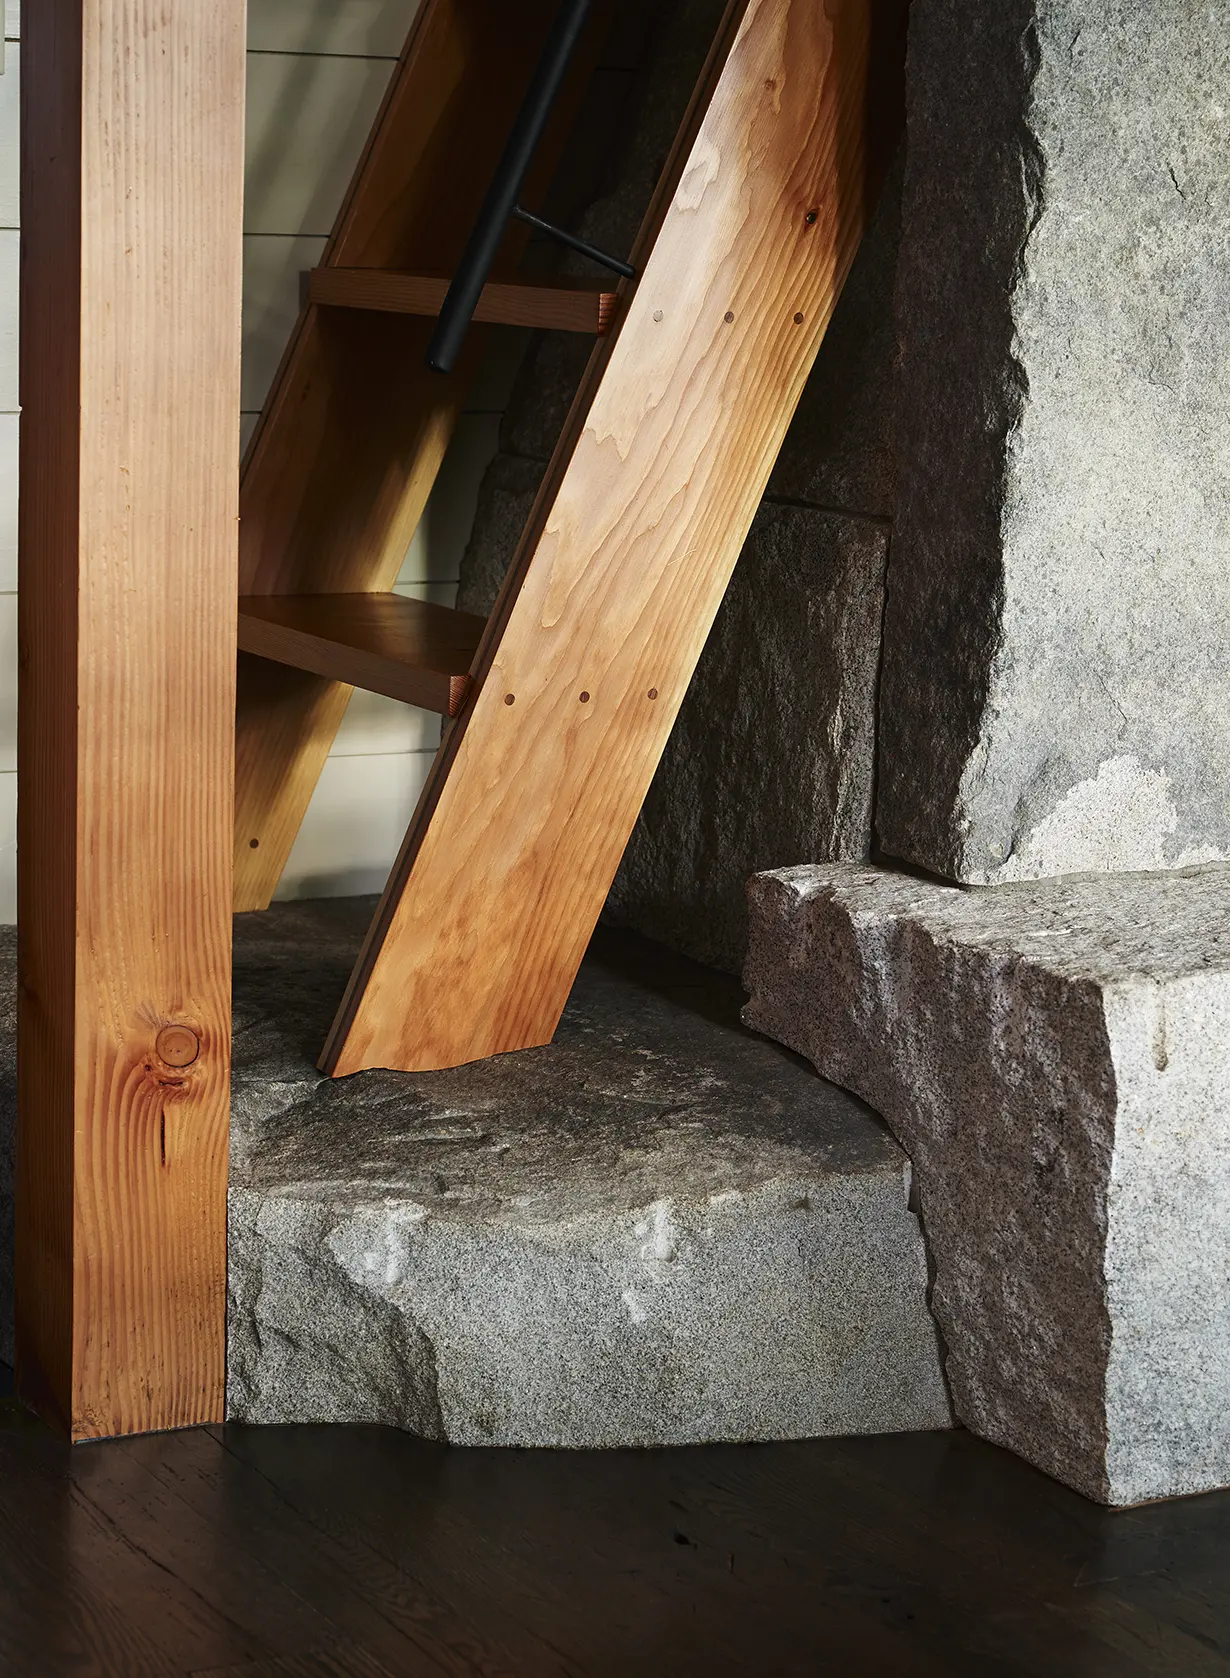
(501, 200)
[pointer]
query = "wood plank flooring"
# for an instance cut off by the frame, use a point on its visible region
(364, 1553)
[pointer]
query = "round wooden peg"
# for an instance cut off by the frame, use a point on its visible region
(178, 1045)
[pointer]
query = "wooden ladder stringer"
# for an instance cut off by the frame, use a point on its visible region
(632, 541)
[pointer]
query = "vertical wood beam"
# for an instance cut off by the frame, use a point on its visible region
(132, 180)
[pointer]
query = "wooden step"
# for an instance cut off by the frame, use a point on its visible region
(583, 306)
(383, 643)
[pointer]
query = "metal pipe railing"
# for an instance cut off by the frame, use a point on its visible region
(500, 202)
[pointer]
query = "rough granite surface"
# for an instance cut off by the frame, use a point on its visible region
(771, 759)
(661, 1229)
(1056, 683)
(1053, 1057)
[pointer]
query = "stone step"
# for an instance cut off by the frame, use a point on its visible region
(1054, 1059)
(659, 1230)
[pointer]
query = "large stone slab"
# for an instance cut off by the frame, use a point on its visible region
(659, 1230)
(1056, 690)
(1054, 1059)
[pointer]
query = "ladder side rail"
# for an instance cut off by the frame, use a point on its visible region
(631, 542)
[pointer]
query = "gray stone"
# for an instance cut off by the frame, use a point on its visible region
(291, 965)
(1053, 1059)
(771, 759)
(658, 1230)
(1056, 696)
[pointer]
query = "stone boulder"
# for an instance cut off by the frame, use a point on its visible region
(1053, 1059)
(659, 1230)
(1055, 695)
(771, 757)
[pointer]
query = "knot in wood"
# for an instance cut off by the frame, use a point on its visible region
(178, 1045)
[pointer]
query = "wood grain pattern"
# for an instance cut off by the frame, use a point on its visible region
(131, 197)
(351, 439)
(628, 553)
(579, 307)
(407, 649)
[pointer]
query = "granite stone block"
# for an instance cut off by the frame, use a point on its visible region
(661, 1229)
(658, 1230)
(1056, 683)
(771, 759)
(1052, 1057)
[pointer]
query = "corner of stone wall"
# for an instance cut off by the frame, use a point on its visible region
(970, 201)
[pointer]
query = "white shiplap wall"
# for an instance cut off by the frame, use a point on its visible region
(317, 70)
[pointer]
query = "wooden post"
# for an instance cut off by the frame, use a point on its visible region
(132, 165)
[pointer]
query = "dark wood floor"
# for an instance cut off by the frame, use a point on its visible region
(362, 1553)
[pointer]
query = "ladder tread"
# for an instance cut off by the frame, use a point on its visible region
(410, 650)
(580, 306)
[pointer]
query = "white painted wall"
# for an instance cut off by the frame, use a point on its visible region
(317, 70)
